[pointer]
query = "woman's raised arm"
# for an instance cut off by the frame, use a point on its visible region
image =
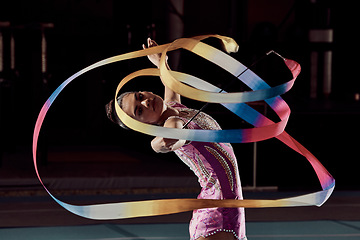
(169, 95)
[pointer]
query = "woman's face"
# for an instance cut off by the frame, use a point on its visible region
(143, 106)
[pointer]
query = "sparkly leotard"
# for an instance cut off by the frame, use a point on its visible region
(215, 165)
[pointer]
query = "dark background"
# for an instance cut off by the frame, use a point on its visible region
(84, 32)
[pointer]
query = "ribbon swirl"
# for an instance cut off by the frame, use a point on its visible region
(198, 89)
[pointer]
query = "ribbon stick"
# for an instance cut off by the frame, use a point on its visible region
(198, 89)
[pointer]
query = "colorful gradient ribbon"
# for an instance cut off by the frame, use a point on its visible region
(198, 89)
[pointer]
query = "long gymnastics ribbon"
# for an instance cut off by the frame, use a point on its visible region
(197, 89)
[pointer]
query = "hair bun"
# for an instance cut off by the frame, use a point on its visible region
(110, 110)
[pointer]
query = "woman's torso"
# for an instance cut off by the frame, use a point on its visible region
(214, 164)
(216, 167)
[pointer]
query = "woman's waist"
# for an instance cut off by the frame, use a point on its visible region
(210, 191)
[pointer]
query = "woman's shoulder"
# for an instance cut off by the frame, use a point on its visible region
(175, 104)
(178, 118)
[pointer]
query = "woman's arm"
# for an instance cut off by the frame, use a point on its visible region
(169, 95)
(164, 145)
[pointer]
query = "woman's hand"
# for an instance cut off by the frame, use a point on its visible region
(154, 58)
(164, 145)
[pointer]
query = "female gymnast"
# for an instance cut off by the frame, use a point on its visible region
(214, 164)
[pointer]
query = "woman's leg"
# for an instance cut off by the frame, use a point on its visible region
(219, 236)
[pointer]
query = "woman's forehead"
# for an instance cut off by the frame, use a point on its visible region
(128, 103)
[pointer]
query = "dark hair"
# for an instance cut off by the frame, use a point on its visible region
(111, 113)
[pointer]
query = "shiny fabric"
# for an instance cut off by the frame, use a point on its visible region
(216, 167)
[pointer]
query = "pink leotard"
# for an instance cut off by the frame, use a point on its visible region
(216, 167)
